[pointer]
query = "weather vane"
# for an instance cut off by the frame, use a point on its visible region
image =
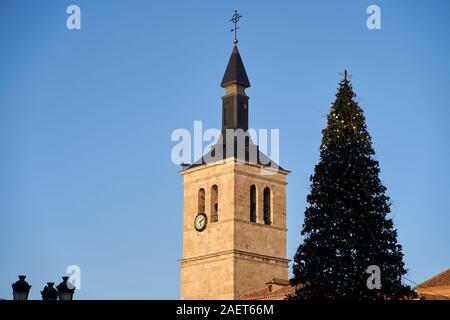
(235, 19)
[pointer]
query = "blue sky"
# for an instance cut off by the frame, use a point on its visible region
(86, 118)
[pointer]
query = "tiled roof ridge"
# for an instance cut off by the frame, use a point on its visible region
(430, 281)
(263, 293)
(279, 281)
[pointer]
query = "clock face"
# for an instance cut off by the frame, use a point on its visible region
(200, 222)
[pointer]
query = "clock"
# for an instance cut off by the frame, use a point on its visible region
(200, 222)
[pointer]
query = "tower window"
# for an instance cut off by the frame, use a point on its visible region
(267, 206)
(214, 204)
(201, 200)
(253, 203)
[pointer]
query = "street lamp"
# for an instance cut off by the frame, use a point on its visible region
(65, 289)
(49, 292)
(21, 288)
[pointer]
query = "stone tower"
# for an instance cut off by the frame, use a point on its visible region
(234, 230)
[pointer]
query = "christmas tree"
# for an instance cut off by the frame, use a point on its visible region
(346, 228)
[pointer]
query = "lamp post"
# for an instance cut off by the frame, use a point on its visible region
(65, 289)
(49, 292)
(21, 288)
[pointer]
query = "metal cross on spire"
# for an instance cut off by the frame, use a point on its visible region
(235, 19)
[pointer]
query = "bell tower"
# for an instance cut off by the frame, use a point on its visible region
(234, 222)
(235, 101)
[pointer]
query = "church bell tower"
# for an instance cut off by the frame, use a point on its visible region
(234, 222)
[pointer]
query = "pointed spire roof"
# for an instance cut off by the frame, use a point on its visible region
(235, 72)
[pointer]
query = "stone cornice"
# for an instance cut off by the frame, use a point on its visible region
(234, 252)
(257, 224)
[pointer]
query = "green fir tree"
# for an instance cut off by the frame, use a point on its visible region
(346, 228)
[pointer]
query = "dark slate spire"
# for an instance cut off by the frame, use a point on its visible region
(235, 112)
(235, 72)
